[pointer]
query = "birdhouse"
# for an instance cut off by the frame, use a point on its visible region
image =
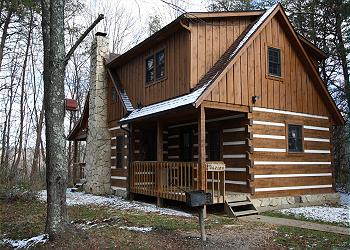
(71, 105)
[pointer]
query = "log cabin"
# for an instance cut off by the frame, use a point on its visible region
(230, 103)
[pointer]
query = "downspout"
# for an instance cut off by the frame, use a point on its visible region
(129, 132)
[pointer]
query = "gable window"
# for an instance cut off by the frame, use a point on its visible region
(295, 143)
(149, 69)
(119, 149)
(214, 145)
(155, 67)
(160, 64)
(274, 61)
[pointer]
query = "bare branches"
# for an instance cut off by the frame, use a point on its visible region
(81, 38)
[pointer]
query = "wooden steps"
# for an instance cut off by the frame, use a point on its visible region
(79, 187)
(240, 207)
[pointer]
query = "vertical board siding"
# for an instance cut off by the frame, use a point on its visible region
(294, 91)
(209, 41)
(176, 81)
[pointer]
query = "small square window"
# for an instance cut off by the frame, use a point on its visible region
(160, 64)
(274, 59)
(295, 143)
(149, 69)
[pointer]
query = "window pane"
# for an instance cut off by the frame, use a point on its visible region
(119, 149)
(160, 64)
(214, 145)
(294, 138)
(186, 146)
(149, 69)
(274, 57)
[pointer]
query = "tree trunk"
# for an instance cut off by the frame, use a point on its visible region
(4, 34)
(36, 156)
(56, 162)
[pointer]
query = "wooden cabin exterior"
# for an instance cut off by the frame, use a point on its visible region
(229, 103)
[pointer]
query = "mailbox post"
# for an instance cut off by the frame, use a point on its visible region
(199, 199)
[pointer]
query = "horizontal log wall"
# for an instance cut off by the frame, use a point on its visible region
(278, 172)
(119, 175)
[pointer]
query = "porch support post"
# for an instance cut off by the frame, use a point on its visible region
(159, 159)
(202, 185)
(202, 172)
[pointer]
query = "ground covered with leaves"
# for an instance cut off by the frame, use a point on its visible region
(103, 226)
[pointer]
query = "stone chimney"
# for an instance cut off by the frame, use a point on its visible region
(98, 144)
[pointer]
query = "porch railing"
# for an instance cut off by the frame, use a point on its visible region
(167, 180)
(170, 180)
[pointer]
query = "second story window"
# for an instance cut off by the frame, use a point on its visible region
(149, 69)
(160, 64)
(155, 67)
(274, 61)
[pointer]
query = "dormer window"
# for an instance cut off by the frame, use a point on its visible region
(155, 67)
(274, 61)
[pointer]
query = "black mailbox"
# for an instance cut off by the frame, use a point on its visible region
(198, 198)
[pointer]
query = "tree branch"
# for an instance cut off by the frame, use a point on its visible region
(81, 38)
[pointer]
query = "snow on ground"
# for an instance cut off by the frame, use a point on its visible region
(78, 198)
(27, 243)
(138, 229)
(325, 213)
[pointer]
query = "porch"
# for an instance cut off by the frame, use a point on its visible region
(185, 150)
(171, 180)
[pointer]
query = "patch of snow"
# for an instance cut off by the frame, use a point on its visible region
(138, 229)
(323, 213)
(27, 243)
(345, 199)
(169, 104)
(79, 198)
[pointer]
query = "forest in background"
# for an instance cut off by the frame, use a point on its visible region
(22, 137)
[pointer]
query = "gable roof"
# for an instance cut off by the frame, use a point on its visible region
(169, 29)
(269, 14)
(225, 62)
(206, 81)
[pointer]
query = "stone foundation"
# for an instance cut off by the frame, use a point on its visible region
(98, 144)
(272, 203)
(121, 192)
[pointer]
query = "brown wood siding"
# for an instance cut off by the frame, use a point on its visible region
(209, 41)
(176, 80)
(118, 174)
(294, 91)
(115, 109)
(228, 127)
(281, 169)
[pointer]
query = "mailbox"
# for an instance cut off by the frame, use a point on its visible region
(198, 198)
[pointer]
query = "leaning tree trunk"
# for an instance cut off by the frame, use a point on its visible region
(54, 67)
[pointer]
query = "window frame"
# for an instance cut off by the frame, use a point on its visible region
(219, 132)
(154, 56)
(301, 135)
(119, 151)
(272, 76)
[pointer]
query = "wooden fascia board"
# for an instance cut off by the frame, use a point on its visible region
(234, 59)
(194, 15)
(313, 70)
(225, 106)
(321, 55)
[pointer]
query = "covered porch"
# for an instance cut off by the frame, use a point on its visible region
(190, 149)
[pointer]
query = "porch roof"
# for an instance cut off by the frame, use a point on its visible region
(192, 97)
